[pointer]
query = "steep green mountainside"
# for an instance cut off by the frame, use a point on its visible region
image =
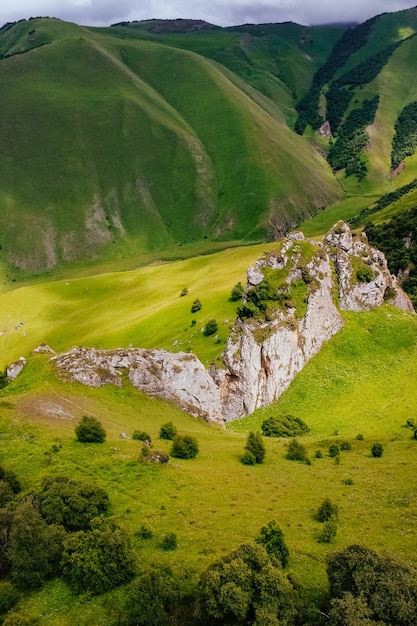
(370, 66)
(112, 145)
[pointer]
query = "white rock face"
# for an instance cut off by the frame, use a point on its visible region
(350, 255)
(180, 377)
(262, 359)
(15, 368)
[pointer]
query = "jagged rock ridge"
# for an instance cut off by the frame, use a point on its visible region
(287, 315)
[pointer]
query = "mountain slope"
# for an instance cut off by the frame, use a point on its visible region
(108, 142)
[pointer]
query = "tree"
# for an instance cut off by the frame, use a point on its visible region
(210, 328)
(167, 431)
(271, 538)
(71, 503)
(255, 446)
(386, 586)
(246, 587)
(35, 548)
(237, 292)
(151, 597)
(90, 430)
(99, 559)
(184, 447)
(169, 542)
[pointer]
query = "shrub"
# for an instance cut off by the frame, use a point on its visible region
(144, 532)
(140, 435)
(184, 447)
(272, 538)
(210, 328)
(167, 431)
(99, 559)
(89, 430)
(237, 292)
(284, 426)
(345, 446)
(149, 455)
(318, 454)
(360, 437)
(196, 306)
(364, 274)
(334, 450)
(255, 446)
(377, 450)
(327, 511)
(169, 542)
(13, 481)
(296, 451)
(328, 534)
(184, 292)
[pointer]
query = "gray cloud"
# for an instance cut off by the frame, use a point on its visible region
(221, 12)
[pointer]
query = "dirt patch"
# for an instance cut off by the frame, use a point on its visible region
(50, 407)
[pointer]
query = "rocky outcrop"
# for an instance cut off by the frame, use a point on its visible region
(364, 279)
(180, 377)
(15, 368)
(263, 356)
(287, 314)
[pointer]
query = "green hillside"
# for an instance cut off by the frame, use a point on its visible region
(126, 144)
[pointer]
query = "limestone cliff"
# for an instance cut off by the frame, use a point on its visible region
(287, 314)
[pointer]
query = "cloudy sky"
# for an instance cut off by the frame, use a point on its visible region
(221, 12)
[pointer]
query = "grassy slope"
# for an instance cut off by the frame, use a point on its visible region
(363, 384)
(113, 136)
(141, 307)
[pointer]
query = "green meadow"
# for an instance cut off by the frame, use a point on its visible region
(360, 384)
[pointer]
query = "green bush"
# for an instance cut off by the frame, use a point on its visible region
(140, 435)
(318, 454)
(327, 511)
(271, 538)
(89, 430)
(169, 542)
(184, 447)
(184, 292)
(345, 445)
(237, 292)
(283, 426)
(210, 328)
(296, 451)
(144, 532)
(377, 450)
(167, 431)
(328, 533)
(334, 450)
(196, 306)
(255, 446)
(364, 274)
